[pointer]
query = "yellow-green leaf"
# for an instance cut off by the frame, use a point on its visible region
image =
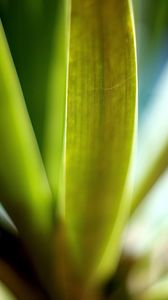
(101, 111)
(24, 189)
(53, 146)
(30, 28)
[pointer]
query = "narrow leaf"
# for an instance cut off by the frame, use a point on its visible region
(5, 294)
(24, 188)
(30, 27)
(101, 112)
(5, 221)
(53, 147)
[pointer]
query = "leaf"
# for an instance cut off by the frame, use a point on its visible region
(5, 294)
(38, 39)
(100, 129)
(30, 27)
(24, 189)
(5, 221)
(153, 142)
(157, 19)
(54, 128)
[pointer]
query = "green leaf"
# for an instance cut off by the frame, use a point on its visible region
(53, 147)
(101, 112)
(24, 189)
(30, 27)
(38, 38)
(156, 15)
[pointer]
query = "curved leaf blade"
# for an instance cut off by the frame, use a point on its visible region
(100, 129)
(30, 30)
(53, 146)
(24, 188)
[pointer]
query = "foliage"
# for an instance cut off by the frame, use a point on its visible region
(68, 127)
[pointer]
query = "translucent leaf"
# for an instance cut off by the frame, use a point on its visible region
(100, 131)
(53, 147)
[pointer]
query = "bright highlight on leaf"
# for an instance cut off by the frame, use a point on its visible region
(53, 148)
(5, 294)
(5, 221)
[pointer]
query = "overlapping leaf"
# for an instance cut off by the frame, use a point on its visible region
(100, 123)
(53, 147)
(37, 33)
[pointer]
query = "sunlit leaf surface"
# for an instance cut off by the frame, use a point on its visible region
(100, 130)
(53, 146)
(80, 93)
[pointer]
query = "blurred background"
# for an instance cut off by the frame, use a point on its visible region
(146, 236)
